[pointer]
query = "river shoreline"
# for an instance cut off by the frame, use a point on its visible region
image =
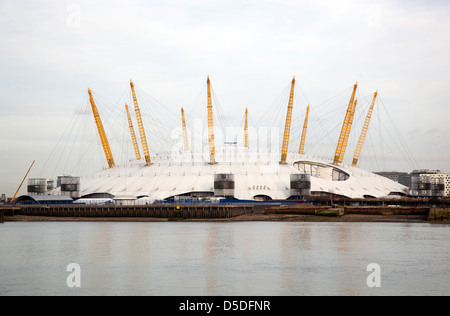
(242, 218)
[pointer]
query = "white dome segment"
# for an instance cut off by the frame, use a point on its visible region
(256, 176)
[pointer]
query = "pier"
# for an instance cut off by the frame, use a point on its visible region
(156, 211)
(8, 210)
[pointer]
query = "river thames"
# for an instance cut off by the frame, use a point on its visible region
(226, 258)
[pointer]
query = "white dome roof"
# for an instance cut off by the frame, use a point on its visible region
(254, 174)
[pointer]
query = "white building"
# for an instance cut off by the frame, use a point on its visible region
(430, 183)
(256, 176)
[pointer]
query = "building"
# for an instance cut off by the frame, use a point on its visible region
(235, 172)
(430, 183)
(40, 199)
(400, 177)
(167, 178)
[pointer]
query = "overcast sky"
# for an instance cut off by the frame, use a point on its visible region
(52, 51)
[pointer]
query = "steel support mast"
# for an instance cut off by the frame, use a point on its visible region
(101, 132)
(246, 129)
(346, 127)
(364, 132)
(185, 134)
(141, 126)
(287, 126)
(133, 135)
(212, 146)
(301, 149)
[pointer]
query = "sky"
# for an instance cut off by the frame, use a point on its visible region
(52, 51)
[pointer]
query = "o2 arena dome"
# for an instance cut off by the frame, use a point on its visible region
(232, 171)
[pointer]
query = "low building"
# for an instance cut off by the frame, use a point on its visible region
(44, 199)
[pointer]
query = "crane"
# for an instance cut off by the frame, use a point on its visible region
(287, 127)
(212, 146)
(246, 129)
(133, 135)
(301, 149)
(346, 128)
(101, 132)
(141, 126)
(14, 197)
(185, 135)
(364, 132)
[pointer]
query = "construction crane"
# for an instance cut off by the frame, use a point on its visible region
(364, 132)
(346, 128)
(287, 126)
(212, 146)
(14, 197)
(133, 135)
(185, 135)
(246, 129)
(101, 132)
(141, 126)
(301, 149)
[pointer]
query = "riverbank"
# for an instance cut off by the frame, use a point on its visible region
(241, 218)
(233, 213)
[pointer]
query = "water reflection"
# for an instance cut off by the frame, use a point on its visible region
(211, 248)
(248, 258)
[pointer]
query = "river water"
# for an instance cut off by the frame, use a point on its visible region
(226, 258)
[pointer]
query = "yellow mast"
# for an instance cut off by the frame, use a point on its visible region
(133, 135)
(301, 150)
(246, 129)
(101, 132)
(212, 146)
(346, 127)
(347, 133)
(141, 126)
(364, 132)
(185, 135)
(287, 127)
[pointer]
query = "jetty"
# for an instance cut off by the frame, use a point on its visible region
(156, 211)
